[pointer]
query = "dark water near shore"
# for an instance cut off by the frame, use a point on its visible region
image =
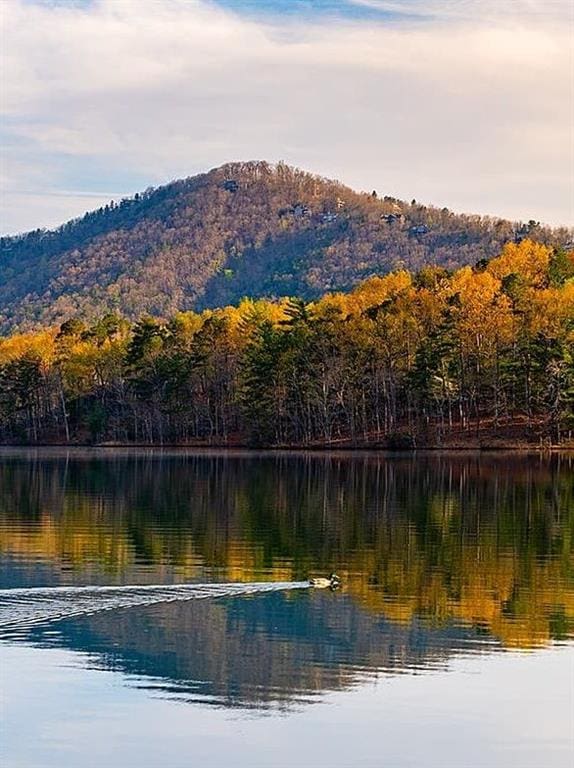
(199, 640)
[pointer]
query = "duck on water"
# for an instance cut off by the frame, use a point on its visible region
(333, 582)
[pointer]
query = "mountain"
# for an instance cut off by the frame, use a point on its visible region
(244, 229)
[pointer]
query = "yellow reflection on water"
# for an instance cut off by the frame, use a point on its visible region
(483, 542)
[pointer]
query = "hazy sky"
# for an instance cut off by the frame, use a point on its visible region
(463, 103)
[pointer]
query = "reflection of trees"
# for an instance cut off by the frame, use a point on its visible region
(483, 540)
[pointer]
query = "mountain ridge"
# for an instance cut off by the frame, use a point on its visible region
(242, 229)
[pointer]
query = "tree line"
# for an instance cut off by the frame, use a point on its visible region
(403, 360)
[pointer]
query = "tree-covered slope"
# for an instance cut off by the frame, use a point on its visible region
(245, 229)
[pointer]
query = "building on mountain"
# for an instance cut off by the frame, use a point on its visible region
(391, 218)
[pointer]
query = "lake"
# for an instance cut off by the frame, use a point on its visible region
(155, 608)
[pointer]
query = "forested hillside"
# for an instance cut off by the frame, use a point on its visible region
(477, 356)
(245, 229)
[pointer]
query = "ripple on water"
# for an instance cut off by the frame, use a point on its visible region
(22, 609)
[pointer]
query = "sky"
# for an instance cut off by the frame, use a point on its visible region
(461, 103)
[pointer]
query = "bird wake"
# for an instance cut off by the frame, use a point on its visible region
(23, 609)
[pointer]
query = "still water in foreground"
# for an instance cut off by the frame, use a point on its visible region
(198, 641)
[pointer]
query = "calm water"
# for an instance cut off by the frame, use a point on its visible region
(154, 609)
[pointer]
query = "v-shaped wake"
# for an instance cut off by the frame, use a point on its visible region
(22, 609)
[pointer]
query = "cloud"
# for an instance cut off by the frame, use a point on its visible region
(471, 115)
(515, 11)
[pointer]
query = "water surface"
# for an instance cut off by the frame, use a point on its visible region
(155, 603)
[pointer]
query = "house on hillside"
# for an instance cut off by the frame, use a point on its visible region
(391, 218)
(300, 210)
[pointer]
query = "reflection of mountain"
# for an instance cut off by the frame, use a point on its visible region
(269, 650)
(482, 540)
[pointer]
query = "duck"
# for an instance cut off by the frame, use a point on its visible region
(333, 582)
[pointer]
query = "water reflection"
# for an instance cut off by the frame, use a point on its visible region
(440, 554)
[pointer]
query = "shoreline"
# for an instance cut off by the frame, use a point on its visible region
(316, 448)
